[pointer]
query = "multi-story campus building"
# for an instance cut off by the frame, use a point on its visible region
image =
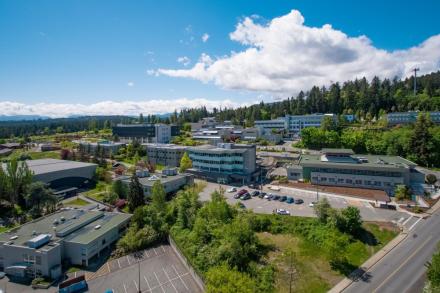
(341, 167)
(108, 148)
(165, 154)
(409, 117)
(146, 133)
(225, 162)
(40, 247)
(293, 124)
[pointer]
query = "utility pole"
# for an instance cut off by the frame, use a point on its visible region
(415, 80)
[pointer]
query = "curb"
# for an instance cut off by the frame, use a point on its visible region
(347, 281)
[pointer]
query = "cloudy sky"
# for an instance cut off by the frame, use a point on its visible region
(59, 58)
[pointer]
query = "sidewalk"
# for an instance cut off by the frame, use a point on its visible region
(358, 273)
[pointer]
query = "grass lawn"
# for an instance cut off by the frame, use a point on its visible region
(98, 192)
(313, 272)
(3, 229)
(35, 155)
(76, 202)
(73, 269)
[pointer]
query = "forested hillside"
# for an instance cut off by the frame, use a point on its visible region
(361, 97)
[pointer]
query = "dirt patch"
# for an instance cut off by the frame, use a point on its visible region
(385, 225)
(363, 193)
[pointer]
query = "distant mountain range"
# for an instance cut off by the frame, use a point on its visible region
(39, 117)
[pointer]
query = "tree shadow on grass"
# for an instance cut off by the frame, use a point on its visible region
(366, 237)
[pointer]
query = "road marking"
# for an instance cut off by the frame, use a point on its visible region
(159, 282)
(404, 263)
(119, 264)
(146, 251)
(148, 284)
(154, 251)
(180, 277)
(173, 279)
(163, 248)
(404, 223)
(108, 267)
(125, 289)
(137, 289)
(401, 219)
(128, 259)
(410, 228)
(166, 274)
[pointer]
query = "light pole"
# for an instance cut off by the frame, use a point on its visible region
(415, 80)
(138, 257)
(317, 189)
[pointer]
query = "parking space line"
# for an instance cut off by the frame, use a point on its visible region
(108, 267)
(125, 289)
(119, 264)
(128, 259)
(173, 279)
(168, 277)
(409, 218)
(146, 251)
(180, 277)
(163, 249)
(154, 251)
(148, 284)
(136, 285)
(159, 282)
(413, 225)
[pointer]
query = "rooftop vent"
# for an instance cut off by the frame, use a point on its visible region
(34, 232)
(62, 219)
(55, 222)
(13, 237)
(97, 227)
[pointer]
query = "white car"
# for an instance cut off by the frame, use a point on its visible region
(232, 189)
(276, 188)
(311, 204)
(282, 212)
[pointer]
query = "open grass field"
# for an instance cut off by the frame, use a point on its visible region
(312, 272)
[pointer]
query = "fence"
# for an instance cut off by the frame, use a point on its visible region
(181, 256)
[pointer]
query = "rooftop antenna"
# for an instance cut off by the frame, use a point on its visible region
(415, 79)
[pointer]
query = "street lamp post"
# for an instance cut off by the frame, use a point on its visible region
(138, 257)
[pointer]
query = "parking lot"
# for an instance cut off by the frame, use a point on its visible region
(160, 271)
(258, 205)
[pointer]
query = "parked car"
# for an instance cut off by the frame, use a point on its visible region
(245, 196)
(2, 275)
(241, 192)
(311, 204)
(281, 212)
(262, 194)
(299, 201)
(283, 198)
(255, 193)
(237, 196)
(276, 188)
(267, 196)
(232, 189)
(290, 200)
(276, 197)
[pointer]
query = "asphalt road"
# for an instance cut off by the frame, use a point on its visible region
(403, 269)
(258, 205)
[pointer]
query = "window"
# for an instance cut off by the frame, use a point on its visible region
(340, 180)
(38, 260)
(349, 181)
(358, 181)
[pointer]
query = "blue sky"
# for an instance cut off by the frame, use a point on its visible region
(63, 57)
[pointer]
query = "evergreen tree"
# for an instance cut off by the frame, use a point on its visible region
(420, 142)
(158, 196)
(135, 194)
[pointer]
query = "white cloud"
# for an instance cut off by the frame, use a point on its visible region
(205, 37)
(130, 83)
(285, 56)
(111, 107)
(184, 60)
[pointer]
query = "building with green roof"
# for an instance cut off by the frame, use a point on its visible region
(342, 167)
(75, 236)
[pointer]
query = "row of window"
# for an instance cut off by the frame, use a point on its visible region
(217, 162)
(350, 181)
(357, 172)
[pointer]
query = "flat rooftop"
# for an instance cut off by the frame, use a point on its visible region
(44, 166)
(165, 146)
(77, 226)
(146, 181)
(357, 160)
(234, 148)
